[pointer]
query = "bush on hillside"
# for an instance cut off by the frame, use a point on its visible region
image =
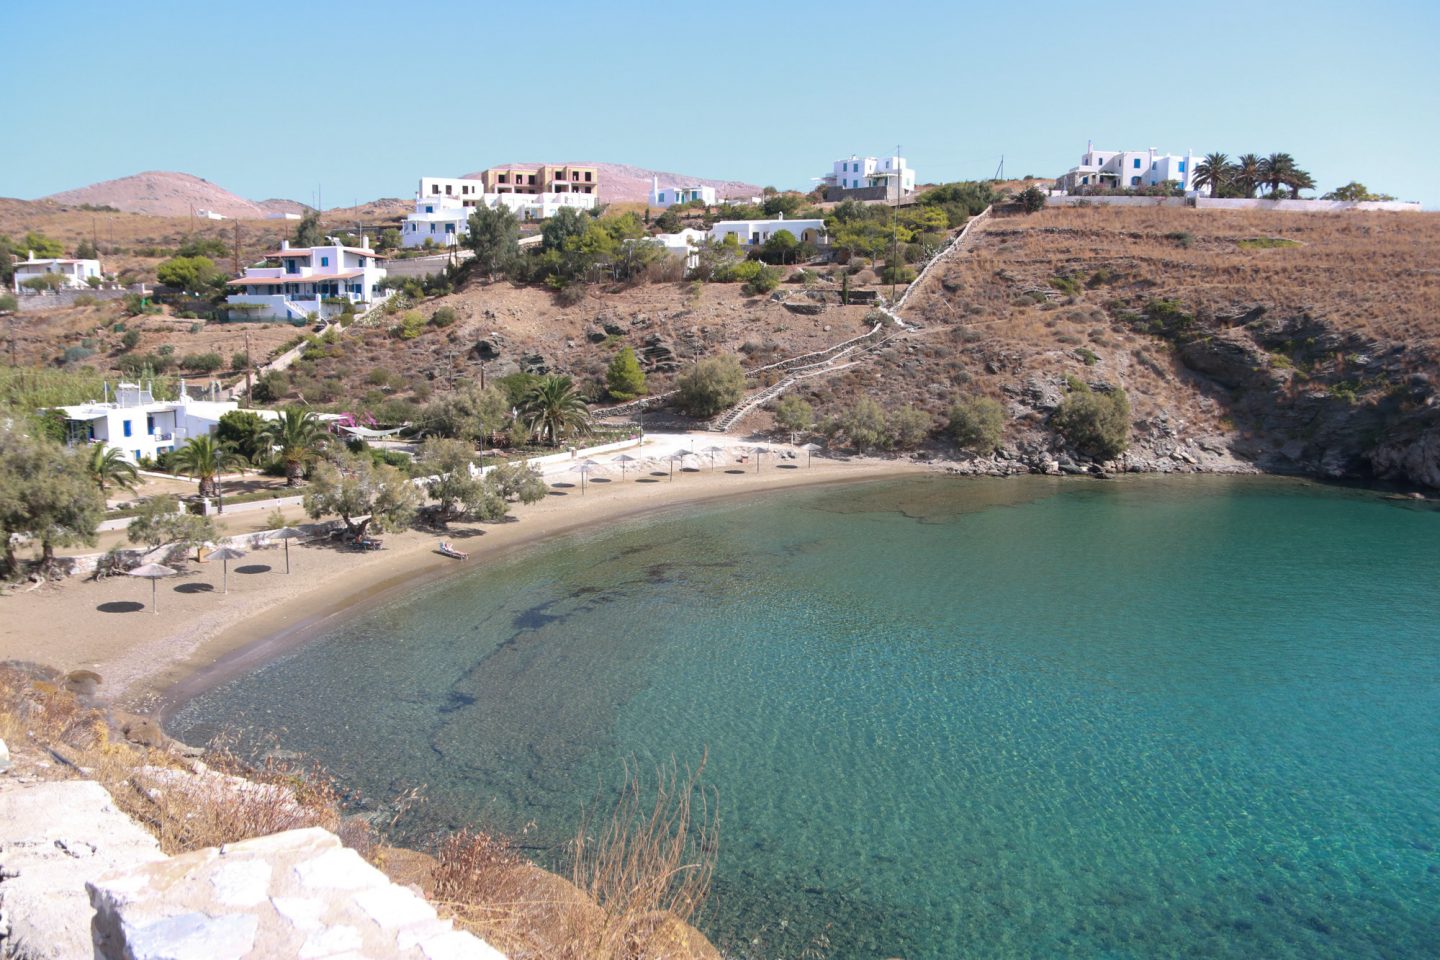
(1096, 423)
(978, 424)
(710, 386)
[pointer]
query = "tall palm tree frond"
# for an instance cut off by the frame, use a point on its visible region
(299, 436)
(1215, 172)
(203, 458)
(553, 408)
(108, 467)
(1247, 173)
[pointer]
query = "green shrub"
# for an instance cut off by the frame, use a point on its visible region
(1096, 423)
(908, 427)
(766, 279)
(202, 362)
(977, 423)
(710, 386)
(864, 425)
(624, 379)
(443, 317)
(76, 354)
(1181, 238)
(1068, 285)
(410, 325)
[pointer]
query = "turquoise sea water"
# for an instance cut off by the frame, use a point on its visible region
(1139, 719)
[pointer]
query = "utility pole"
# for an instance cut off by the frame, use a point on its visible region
(249, 373)
(237, 248)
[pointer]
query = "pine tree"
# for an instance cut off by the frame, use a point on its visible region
(625, 380)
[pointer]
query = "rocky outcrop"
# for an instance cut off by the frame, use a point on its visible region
(293, 894)
(54, 837)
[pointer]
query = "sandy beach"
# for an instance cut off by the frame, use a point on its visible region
(110, 628)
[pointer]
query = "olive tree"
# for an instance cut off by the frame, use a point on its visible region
(360, 492)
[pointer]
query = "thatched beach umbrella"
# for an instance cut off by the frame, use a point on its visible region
(152, 572)
(624, 459)
(810, 448)
(285, 533)
(585, 468)
(759, 452)
(225, 555)
(711, 451)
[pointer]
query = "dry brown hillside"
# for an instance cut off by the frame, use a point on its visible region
(166, 193)
(1296, 342)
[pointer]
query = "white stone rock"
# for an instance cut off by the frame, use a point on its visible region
(394, 907)
(242, 883)
(338, 869)
(193, 936)
(330, 941)
(42, 893)
(304, 913)
(4, 757)
(458, 946)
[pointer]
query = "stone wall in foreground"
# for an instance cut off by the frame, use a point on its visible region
(293, 894)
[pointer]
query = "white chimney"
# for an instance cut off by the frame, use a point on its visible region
(284, 244)
(30, 254)
(364, 242)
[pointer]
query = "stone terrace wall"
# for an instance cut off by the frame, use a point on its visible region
(293, 894)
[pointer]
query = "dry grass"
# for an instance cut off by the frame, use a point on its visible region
(186, 805)
(639, 875)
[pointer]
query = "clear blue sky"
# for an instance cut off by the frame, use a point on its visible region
(268, 100)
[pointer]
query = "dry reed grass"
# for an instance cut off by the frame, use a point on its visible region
(185, 804)
(639, 875)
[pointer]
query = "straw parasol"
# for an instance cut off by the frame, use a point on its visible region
(810, 448)
(759, 452)
(225, 555)
(585, 468)
(152, 572)
(285, 533)
(624, 459)
(712, 450)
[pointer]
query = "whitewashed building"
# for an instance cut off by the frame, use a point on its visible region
(751, 233)
(1132, 169)
(75, 273)
(684, 244)
(669, 196)
(890, 174)
(308, 280)
(138, 425)
(209, 215)
(443, 206)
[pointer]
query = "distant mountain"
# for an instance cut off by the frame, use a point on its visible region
(620, 183)
(168, 194)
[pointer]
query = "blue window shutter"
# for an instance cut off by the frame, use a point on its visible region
(127, 428)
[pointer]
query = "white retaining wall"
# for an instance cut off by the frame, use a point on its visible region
(1307, 206)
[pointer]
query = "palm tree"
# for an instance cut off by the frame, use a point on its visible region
(299, 436)
(1299, 180)
(1247, 173)
(203, 458)
(553, 407)
(108, 467)
(1215, 172)
(1276, 170)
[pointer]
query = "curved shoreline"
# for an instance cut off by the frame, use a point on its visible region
(152, 663)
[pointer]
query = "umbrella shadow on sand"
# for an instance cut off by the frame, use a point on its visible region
(120, 606)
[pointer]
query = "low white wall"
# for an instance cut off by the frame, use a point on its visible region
(1306, 206)
(1066, 200)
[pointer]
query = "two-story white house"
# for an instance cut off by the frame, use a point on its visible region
(669, 196)
(1131, 169)
(308, 280)
(138, 425)
(750, 233)
(892, 175)
(74, 273)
